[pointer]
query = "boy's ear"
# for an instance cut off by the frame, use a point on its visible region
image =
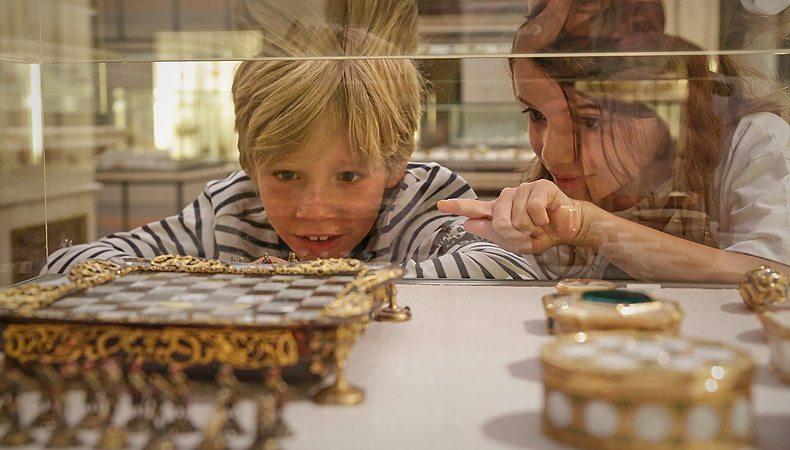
(395, 175)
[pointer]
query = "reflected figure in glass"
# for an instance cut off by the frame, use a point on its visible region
(654, 161)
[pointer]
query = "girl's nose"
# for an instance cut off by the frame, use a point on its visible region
(558, 146)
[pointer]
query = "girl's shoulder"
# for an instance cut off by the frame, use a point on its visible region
(765, 120)
(760, 134)
(756, 136)
(759, 140)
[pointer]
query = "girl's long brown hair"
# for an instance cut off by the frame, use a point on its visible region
(713, 104)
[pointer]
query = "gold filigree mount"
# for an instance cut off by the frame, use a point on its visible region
(242, 349)
(763, 286)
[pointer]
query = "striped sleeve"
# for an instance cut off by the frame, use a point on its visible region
(191, 232)
(459, 254)
(432, 244)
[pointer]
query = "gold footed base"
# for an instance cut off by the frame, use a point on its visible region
(393, 314)
(112, 438)
(212, 444)
(182, 425)
(63, 437)
(339, 395)
(160, 442)
(44, 419)
(139, 423)
(265, 444)
(16, 438)
(92, 421)
(232, 426)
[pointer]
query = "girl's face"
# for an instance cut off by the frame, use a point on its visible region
(322, 200)
(616, 151)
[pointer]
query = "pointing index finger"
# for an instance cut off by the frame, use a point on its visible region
(474, 209)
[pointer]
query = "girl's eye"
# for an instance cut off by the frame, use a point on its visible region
(590, 122)
(285, 175)
(534, 114)
(350, 176)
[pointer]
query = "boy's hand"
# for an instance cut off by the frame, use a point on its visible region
(531, 218)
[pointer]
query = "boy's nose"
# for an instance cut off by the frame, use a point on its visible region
(318, 204)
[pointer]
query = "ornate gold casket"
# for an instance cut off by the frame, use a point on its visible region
(198, 313)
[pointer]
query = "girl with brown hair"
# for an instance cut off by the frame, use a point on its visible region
(652, 162)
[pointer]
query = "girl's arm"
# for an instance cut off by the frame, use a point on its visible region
(537, 216)
(649, 254)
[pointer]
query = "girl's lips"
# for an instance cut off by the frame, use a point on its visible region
(568, 183)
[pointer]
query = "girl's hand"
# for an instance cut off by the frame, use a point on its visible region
(531, 218)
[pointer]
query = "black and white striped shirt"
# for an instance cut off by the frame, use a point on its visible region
(228, 222)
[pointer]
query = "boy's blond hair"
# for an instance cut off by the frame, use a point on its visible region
(341, 70)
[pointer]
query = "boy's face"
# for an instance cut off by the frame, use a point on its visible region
(322, 201)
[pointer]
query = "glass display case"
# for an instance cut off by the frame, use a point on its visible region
(655, 139)
(114, 114)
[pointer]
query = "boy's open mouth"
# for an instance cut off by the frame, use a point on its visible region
(320, 243)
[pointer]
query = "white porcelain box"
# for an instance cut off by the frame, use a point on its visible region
(776, 323)
(624, 390)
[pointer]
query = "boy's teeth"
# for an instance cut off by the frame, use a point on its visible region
(318, 238)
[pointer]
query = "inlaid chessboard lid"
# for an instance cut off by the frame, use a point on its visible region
(190, 291)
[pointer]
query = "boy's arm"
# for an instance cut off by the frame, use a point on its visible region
(452, 252)
(188, 233)
(433, 244)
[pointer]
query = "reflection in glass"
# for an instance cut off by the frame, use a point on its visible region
(662, 165)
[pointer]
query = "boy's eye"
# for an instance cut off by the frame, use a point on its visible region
(534, 114)
(350, 176)
(285, 175)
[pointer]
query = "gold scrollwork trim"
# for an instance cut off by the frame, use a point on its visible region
(242, 349)
(763, 287)
(95, 272)
(29, 297)
(349, 304)
(174, 263)
(357, 297)
(334, 343)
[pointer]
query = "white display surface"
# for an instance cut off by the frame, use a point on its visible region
(464, 374)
